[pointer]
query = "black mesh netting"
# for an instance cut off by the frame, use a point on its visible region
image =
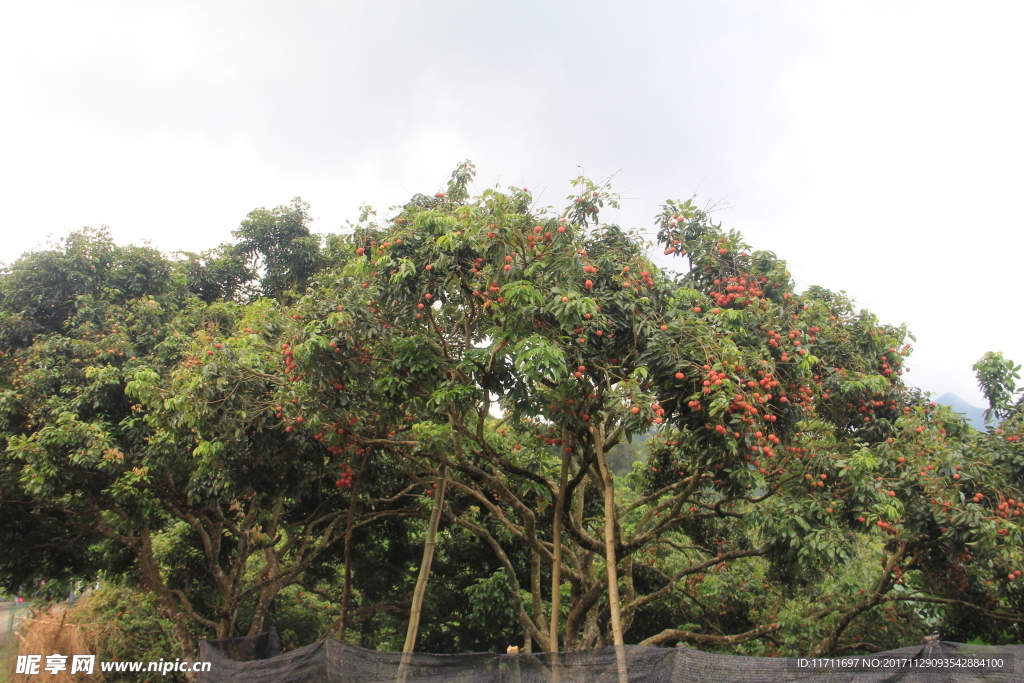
(261, 646)
(332, 661)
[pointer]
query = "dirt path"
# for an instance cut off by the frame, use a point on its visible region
(5, 613)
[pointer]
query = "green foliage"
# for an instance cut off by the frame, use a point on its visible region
(784, 485)
(278, 244)
(491, 602)
(41, 291)
(220, 273)
(997, 378)
(126, 624)
(301, 617)
(624, 455)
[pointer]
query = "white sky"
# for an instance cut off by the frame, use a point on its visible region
(875, 145)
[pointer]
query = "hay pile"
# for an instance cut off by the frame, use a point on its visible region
(53, 632)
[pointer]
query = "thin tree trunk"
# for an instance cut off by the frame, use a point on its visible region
(346, 592)
(556, 562)
(535, 594)
(421, 582)
(263, 603)
(571, 639)
(556, 534)
(143, 548)
(272, 566)
(609, 553)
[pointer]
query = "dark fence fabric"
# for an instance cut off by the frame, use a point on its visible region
(247, 648)
(332, 661)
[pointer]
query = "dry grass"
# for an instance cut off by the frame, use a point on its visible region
(51, 632)
(8, 654)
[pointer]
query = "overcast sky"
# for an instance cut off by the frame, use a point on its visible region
(877, 146)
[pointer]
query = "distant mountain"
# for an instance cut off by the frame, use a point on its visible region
(974, 414)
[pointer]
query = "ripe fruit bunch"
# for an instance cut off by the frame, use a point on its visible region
(673, 223)
(644, 278)
(345, 478)
(289, 363)
(714, 378)
(762, 449)
(888, 369)
(955, 579)
(804, 395)
(192, 361)
(538, 242)
(869, 406)
(743, 403)
(490, 293)
(739, 289)
(550, 440)
(766, 381)
(819, 482)
(1008, 508)
(890, 529)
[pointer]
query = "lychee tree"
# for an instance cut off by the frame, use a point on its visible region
(782, 420)
(467, 364)
(866, 451)
(280, 497)
(132, 415)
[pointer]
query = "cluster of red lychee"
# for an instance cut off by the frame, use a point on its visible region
(289, 363)
(536, 240)
(867, 407)
(490, 294)
(645, 278)
(1007, 508)
(739, 289)
(345, 478)
(673, 222)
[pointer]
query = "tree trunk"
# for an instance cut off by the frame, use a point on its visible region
(428, 557)
(271, 568)
(609, 553)
(578, 609)
(556, 534)
(266, 598)
(154, 579)
(556, 562)
(346, 592)
(535, 592)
